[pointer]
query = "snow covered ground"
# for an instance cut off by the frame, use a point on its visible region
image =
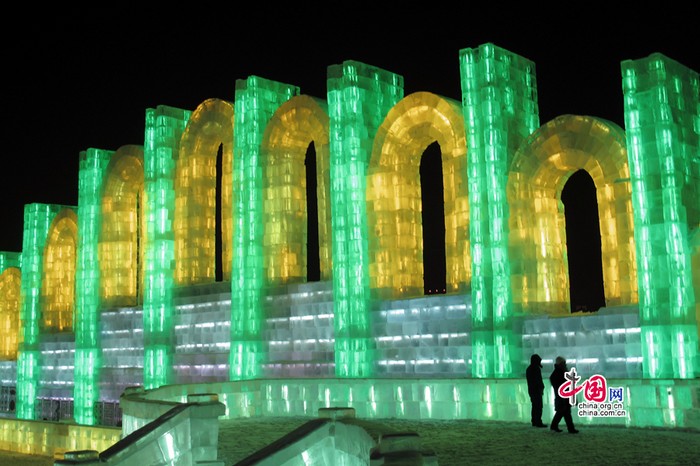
(465, 442)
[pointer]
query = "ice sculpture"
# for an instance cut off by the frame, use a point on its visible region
(662, 104)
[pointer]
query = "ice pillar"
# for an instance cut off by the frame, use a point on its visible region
(359, 97)
(499, 100)
(37, 221)
(164, 128)
(662, 111)
(256, 101)
(88, 353)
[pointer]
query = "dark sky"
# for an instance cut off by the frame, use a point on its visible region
(73, 82)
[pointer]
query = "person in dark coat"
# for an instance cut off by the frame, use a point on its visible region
(562, 407)
(535, 388)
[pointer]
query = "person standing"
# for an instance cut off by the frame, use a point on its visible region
(535, 388)
(562, 407)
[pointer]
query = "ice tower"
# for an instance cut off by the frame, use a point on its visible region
(662, 105)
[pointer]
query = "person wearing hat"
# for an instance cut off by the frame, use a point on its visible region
(535, 388)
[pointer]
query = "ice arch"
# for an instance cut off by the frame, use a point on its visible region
(209, 128)
(123, 231)
(10, 280)
(538, 174)
(296, 124)
(394, 197)
(58, 285)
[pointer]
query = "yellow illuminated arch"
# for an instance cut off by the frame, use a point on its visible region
(10, 280)
(58, 285)
(540, 170)
(122, 234)
(294, 126)
(209, 128)
(394, 196)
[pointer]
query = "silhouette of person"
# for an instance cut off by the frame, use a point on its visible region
(562, 407)
(535, 388)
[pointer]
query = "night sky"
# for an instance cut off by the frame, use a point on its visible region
(75, 80)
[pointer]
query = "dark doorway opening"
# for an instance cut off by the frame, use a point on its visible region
(313, 266)
(218, 240)
(433, 216)
(583, 243)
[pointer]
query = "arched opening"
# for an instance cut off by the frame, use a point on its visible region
(313, 265)
(583, 243)
(433, 219)
(218, 234)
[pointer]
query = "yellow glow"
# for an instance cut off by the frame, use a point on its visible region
(394, 195)
(123, 229)
(538, 237)
(10, 280)
(58, 285)
(297, 123)
(209, 127)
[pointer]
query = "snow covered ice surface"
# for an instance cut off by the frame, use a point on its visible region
(464, 442)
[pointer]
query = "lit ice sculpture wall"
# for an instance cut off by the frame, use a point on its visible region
(297, 123)
(122, 229)
(164, 128)
(662, 111)
(368, 140)
(37, 222)
(87, 323)
(209, 127)
(256, 101)
(10, 280)
(500, 110)
(394, 202)
(538, 242)
(359, 97)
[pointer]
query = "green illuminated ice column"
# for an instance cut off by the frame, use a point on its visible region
(662, 115)
(359, 97)
(256, 101)
(499, 101)
(88, 353)
(164, 128)
(37, 220)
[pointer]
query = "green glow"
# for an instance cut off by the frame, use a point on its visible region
(662, 110)
(499, 98)
(37, 221)
(164, 128)
(88, 357)
(10, 259)
(359, 97)
(256, 101)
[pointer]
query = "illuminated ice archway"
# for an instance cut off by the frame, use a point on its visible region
(394, 203)
(296, 124)
(58, 285)
(539, 171)
(122, 233)
(209, 129)
(10, 280)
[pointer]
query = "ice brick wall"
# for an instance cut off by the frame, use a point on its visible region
(122, 351)
(427, 336)
(606, 342)
(299, 331)
(202, 336)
